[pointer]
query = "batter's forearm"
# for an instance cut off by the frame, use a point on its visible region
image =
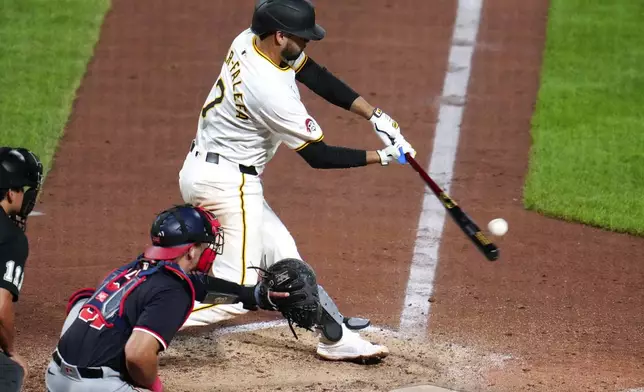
(362, 108)
(373, 157)
(322, 156)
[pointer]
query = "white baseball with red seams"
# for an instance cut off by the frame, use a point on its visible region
(498, 227)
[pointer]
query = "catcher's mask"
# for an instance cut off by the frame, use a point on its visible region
(176, 230)
(21, 169)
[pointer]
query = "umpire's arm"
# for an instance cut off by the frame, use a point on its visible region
(7, 317)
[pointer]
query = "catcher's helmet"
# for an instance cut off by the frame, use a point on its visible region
(21, 169)
(296, 17)
(175, 230)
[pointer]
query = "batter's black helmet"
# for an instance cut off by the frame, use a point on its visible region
(295, 17)
(21, 169)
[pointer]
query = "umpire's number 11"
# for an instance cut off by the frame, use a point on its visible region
(13, 274)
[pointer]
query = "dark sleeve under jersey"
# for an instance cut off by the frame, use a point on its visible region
(212, 290)
(319, 155)
(164, 313)
(13, 257)
(322, 82)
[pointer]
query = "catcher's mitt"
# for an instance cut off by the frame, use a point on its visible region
(298, 279)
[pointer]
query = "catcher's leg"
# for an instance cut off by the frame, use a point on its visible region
(236, 199)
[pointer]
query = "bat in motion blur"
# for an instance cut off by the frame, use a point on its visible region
(463, 221)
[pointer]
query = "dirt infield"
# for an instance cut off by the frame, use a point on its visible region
(563, 300)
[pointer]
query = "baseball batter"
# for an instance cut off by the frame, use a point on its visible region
(253, 107)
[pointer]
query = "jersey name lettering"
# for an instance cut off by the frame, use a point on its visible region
(238, 96)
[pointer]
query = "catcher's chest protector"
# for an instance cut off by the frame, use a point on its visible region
(106, 306)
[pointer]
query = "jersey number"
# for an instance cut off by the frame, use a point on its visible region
(217, 100)
(13, 274)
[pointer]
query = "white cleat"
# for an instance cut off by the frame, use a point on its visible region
(352, 347)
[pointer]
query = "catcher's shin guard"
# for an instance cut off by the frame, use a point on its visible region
(330, 319)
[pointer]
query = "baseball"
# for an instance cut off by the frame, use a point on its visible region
(498, 226)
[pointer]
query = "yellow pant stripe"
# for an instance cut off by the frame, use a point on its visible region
(241, 196)
(241, 192)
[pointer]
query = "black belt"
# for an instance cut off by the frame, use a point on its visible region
(213, 157)
(83, 372)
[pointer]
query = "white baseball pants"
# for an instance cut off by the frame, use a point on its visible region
(253, 234)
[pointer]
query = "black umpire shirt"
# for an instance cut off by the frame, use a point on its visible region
(14, 249)
(158, 306)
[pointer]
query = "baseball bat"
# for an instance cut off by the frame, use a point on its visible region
(464, 222)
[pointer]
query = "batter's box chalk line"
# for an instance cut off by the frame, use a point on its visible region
(497, 360)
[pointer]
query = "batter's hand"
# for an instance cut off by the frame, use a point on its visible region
(388, 154)
(385, 127)
(405, 148)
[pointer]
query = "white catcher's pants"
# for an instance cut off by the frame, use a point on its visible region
(253, 234)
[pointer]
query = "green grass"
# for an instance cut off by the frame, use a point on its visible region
(45, 46)
(587, 158)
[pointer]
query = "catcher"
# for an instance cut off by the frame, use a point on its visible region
(111, 336)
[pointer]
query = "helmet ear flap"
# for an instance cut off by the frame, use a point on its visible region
(206, 260)
(215, 235)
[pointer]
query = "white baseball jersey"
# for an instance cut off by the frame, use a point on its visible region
(254, 106)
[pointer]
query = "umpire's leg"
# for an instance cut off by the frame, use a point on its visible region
(11, 374)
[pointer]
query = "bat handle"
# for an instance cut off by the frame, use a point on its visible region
(402, 159)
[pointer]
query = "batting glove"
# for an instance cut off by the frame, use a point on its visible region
(385, 127)
(388, 154)
(404, 147)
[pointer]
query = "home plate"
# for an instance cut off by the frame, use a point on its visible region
(36, 213)
(423, 388)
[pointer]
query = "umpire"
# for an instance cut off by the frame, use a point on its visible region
(112, 335)
(20, 181)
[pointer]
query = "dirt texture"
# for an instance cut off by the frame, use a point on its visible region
(564, 300)
(561, 306)
(272, 360)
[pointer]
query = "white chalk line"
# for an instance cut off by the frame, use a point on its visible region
(258, 326)
(416, 308)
